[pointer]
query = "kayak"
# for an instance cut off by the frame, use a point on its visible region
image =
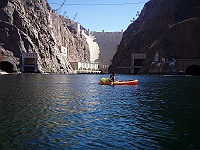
(129, 82)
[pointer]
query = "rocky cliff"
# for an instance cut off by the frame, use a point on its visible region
(32, 26)
(165, 31)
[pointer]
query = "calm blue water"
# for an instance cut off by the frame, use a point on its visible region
(74, 112)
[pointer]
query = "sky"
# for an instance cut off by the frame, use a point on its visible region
(98, 15)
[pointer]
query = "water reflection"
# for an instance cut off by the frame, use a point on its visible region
(74, 112)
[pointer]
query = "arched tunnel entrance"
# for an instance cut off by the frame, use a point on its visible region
(193, 70)
(6, 66)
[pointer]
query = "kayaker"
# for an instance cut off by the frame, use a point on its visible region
(112, 77)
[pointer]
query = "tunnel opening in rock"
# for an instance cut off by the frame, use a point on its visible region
(6, 66)
(193, 70)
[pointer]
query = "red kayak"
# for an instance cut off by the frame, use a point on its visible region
(108, 82)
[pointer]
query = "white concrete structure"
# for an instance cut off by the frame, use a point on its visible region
(108, 43)
(77, 27)
(137, 60)
(93, 46)
(29, 62)
(85, 67)
(63, 50)
(102, 45)
(104, 68)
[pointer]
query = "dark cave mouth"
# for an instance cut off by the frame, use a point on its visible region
(6, 66)
(193, 70)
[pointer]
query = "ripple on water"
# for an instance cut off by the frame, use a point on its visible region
(74, 112)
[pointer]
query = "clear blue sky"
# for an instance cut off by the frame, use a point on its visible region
(98, 15)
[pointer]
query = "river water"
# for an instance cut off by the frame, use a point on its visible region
(74, 112)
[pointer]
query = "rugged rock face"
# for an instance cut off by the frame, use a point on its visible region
(32, 26)
(165, 31)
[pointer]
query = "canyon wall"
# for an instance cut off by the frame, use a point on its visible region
(31, 26)
(166, 31)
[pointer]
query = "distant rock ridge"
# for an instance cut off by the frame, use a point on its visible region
(166, 29)
(31, 26)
